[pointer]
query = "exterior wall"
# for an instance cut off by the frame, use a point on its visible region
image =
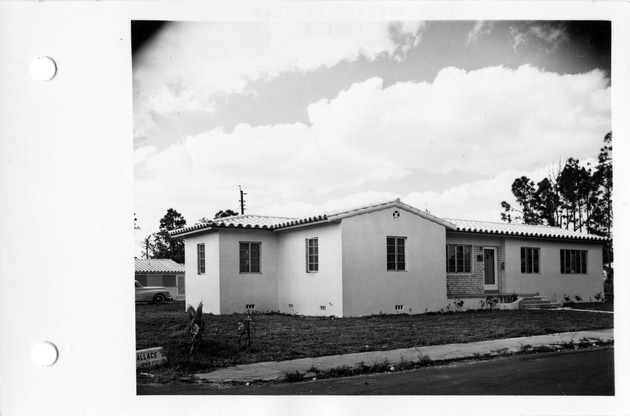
(240, 289)
(550, 282)
(203, 287)
(306, 291)
(471, 285)
(369, 288)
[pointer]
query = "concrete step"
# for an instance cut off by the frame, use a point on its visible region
(528, 301)
(538, 302)
(542, 305)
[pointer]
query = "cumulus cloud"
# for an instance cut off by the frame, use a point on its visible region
(191, 64)
(493, 122)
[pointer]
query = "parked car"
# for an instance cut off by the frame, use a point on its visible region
(152, 294)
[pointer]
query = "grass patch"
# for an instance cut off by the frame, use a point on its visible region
(280, 337)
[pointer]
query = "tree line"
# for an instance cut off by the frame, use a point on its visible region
(574, 196)
(160, 245)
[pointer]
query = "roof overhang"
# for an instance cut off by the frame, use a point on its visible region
(589, 239)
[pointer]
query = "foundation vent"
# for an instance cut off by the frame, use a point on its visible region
(323, 307)
(250, 306)
(398, 307)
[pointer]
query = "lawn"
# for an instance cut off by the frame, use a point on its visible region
(283, 337)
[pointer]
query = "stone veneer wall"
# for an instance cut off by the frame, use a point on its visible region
(470, 285)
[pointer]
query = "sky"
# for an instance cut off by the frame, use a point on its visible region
(314, 117)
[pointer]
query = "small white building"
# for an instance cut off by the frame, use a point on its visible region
(383, 258)
(162, 272)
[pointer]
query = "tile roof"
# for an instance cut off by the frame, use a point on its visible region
(521, 230)
(158, 266)
(248, 222)
(279, 223)
(254, 221)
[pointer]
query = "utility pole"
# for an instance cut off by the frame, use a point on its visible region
(242, 200)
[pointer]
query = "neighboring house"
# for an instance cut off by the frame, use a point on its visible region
(162, 272)
(383, 258)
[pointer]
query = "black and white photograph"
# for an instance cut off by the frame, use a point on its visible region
(373, 207)
(338, 207)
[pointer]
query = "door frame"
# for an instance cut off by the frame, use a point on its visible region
(494, 286)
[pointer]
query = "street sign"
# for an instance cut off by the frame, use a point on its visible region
(150, 357)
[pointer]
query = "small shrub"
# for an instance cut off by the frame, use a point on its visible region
(424, 360)
(192, 332)
(598, 297)
(342, 371)
(459, 304)
(293, 377)
(246, 337)
(489, 303)
(380, 367)
(567, 299)
(578, 298)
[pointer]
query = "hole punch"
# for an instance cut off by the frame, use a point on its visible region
(44, 354)
(43, 68)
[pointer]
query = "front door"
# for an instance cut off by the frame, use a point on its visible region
(490, 269)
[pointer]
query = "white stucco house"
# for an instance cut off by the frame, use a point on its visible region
(383, 258)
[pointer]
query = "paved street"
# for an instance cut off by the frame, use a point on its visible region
(277, 370)
(584, 372)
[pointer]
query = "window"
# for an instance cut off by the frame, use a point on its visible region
(573, 261)
(249, 255)
(142, 279)
(458, 258)
(396, 253)
(530, 260)
(201, 258)
(169, 280)
(312, 255)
